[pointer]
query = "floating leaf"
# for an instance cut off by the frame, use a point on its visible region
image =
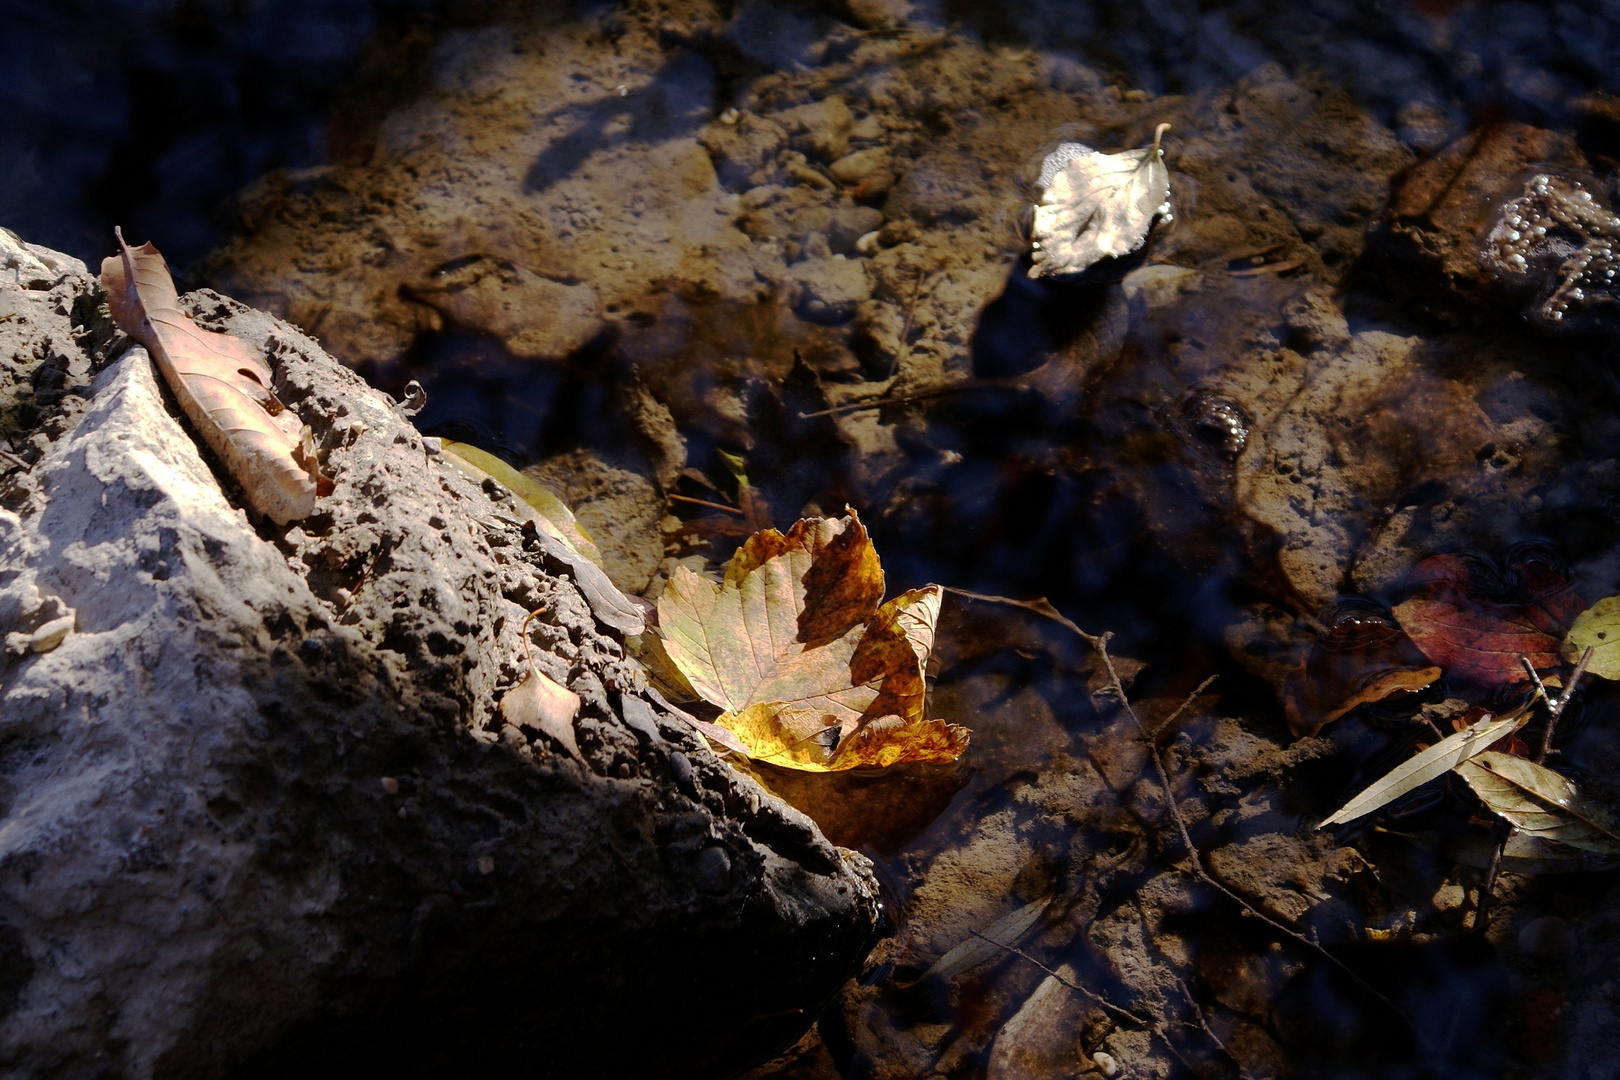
(222, 384)
(1478, 637)
(1096, 206)
(1538, 801)
(1597, 628)
(812, 673)
(1437, 760)
(990, 944)
(1361, 660)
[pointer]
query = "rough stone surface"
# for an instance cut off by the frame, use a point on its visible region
(258, 812)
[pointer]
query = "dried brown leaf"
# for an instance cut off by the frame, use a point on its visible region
(812, 673)
(222, 384)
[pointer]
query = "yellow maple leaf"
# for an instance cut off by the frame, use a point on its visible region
(814, 672)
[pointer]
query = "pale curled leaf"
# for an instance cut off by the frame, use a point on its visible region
(1597, 628)
(1540, 802)
(812, 672)
(1437, 760)
(221, 383)
(541, 704)
(1095, 206)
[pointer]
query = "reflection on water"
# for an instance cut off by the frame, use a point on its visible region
(795, 235)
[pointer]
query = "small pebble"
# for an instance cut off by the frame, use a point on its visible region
(681, 766)
(486, 864)
(390, 786)
(729, 117)
(867, 244)
(50, 635)
(433, 444)
(1105, 1062)
(1548, 938)
(712, 870)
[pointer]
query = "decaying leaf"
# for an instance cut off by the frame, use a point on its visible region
(989, 944)
(1361, 660)
(562, 538)
(222, 384)
(1437, 760)
(539, 503)
(1523, 853)
(812, 673)
(1597, 628)
(1096, 206)
(542, 704)
(1476, 636)
(1540, 802)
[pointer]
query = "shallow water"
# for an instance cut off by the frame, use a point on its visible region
(1292, 394)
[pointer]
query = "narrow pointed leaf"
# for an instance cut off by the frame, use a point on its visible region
(1437, 760)
(1538, 801)
(221, 383)
(975, 951)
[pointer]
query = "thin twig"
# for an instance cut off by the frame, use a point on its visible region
(1169, 721)
(1107, 1006)
(1119, 1013)
(1197, 868)
(903, 399)
(706, 502)
(1043, 607)
(905, 331)
(1555, 709)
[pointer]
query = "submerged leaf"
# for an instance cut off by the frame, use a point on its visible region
(1523, 853)
(990, 944)
(1538, 801)
(221, 382)
(1597, 628)
(1095, 206)
(1437, 760)
(812, 672)
(1478, 637)
(1360, 661)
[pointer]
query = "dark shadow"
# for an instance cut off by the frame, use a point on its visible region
(1034, 318)
(677, 102)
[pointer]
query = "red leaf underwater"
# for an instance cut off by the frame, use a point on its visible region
(1475, 636)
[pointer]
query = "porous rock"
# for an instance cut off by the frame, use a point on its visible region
(258, 811)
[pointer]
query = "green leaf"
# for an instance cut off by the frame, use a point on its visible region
(1437, 760)
(1597, 628)
(1540, 802)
